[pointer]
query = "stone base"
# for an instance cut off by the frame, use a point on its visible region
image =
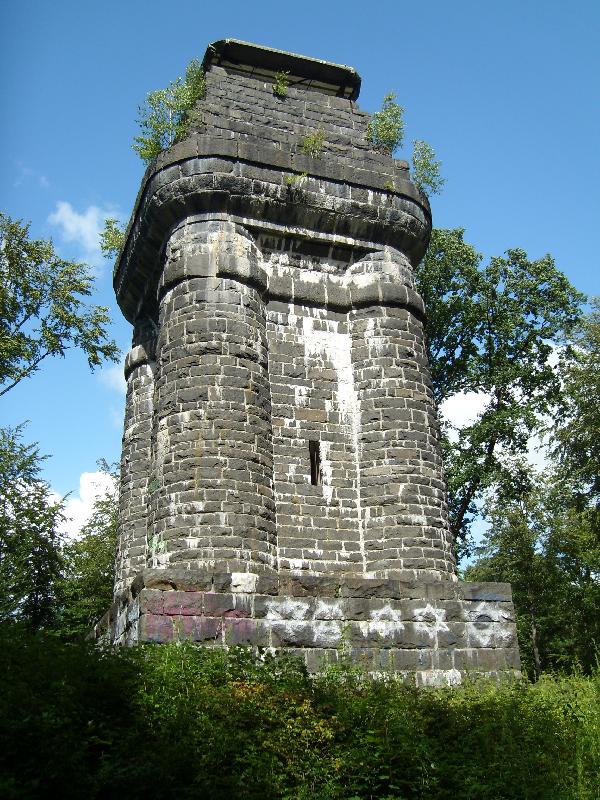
(433, 632)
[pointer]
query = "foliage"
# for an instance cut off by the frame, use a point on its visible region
(386, 127)
(166, 115)
(42, 312)
(576, 434)
(490, 331)
(30, 556)
(281, 83)
(112, 238)
(88, 573)
(426, 171)
(551, 556)
(547, 544)
(313, 143)
(182, 721)
(295, 180)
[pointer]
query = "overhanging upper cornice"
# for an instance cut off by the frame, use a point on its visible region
(242, 56)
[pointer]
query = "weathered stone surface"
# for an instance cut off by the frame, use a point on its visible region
(282, 483)
(435, 641)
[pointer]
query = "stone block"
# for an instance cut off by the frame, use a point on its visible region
(178, 603)
(218, 605)
(155, 628)
(198, 629)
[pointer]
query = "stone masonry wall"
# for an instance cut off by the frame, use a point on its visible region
(432, 632)
(246, 107)
(212, 451)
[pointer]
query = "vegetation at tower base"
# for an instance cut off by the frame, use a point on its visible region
(180, 721)
(42, 310)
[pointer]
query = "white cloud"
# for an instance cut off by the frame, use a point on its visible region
(79, 507)
(27, 174)
(82, 229)
(462, 409)
(114, 378)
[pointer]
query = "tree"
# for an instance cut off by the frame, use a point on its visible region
(30, 555)
(426, 171)
(166, 115)
(112, 238)
(576, 434)
(491, 330)
(385, 130)
(42, 312)
(548, 544)
(88, 577)
(550, 555)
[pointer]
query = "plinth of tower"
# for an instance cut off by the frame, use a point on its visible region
(434, 633)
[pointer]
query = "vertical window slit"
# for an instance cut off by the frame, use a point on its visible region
(314, 450)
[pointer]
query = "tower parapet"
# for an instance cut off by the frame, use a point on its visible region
(281, 438)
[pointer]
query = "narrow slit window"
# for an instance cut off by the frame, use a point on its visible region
(316, 475)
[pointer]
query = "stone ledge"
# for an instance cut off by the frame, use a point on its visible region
(342, 586)
(195, 176)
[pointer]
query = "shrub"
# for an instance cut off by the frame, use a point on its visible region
(165, 116)
(386, 127)
(183, 721)
(281, 83)
(313, 143)
(426, 171)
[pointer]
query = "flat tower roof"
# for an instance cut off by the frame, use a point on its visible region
(255, 59)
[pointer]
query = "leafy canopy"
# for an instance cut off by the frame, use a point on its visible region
(576, 435)
(549, 552)
(42, 310)
(86, 586)
(491, 330)
(164, 118)
(30, 555)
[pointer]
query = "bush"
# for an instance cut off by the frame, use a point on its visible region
(426, 171)
(385, 130)
(182, 721)
(166, 115)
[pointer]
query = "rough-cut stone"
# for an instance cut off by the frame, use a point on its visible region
(282, 483)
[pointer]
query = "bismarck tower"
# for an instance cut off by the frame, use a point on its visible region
(282, 483)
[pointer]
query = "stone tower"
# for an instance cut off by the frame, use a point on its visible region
(282, 483)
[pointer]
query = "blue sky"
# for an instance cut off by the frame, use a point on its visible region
(506, 92)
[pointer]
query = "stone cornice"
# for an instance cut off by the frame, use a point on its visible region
(206, 174)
